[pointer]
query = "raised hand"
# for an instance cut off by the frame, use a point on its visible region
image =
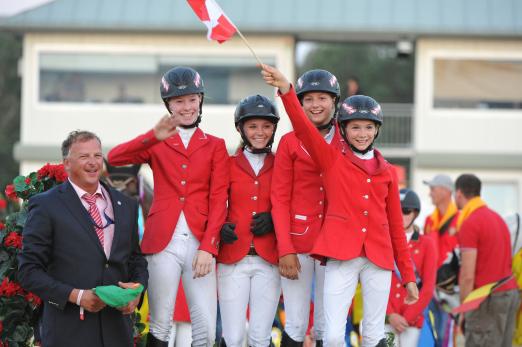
(166, 127)
(275, 78)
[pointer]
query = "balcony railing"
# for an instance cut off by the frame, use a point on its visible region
(398, 126)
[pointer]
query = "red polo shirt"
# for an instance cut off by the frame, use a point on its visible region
(485, 231)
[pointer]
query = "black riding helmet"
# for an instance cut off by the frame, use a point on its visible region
(359, 107)
(256, 106)
(181, 81)
(409, 200)
(319, 81)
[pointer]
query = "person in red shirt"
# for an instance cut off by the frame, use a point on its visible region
(485, 247)
(181, 236)
(405, 321)
(362, 232)
(298, 208)
(247, 261)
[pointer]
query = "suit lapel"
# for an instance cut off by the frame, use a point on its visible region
(176, 144)
(198, 140)
(267, 164)
(117, 209)
(74, 205)
(244, 164)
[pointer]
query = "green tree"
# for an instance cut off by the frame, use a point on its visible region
(10, 52)
(382, 74)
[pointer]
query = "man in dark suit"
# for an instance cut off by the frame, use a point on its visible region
(80, 235)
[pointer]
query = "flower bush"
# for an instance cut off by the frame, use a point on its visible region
(19, 309)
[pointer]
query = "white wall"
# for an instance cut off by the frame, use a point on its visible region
(48, 124)
(463, 130)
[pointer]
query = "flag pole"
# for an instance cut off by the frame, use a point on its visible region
(249, 47)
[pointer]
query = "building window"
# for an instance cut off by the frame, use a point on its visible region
(501, 196)
(473, 83)
(135, 79)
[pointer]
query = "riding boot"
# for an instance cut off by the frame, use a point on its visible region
(286, 341)
(222, 342)
(154, 342)
(319, 343)
(382, 343)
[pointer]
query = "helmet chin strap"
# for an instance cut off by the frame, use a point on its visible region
(193, 125)
(327, 126)
(364, 151)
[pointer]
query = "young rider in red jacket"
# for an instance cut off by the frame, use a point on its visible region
(405, 321)
(298, 208)
(247, 261)
(362, 233)
(181, 236)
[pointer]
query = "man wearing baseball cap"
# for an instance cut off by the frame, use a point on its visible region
(440, 226)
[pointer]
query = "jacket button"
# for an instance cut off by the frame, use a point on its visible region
(398, 285)
(397, 295)
(254, 198)
(183, 182)
(366, 196)
(256, 182)
(254, 213)
(182, 199)
(183, 166)
(320, 216)
(107, 265)
(369, 180)
(365, 213)
(320, 202)
(321, 188)
(363, 230)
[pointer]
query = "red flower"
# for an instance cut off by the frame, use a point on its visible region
(35, 300)
(9, 288)
(53, 171)
(10, 192)
(27, 180)
(44, 171)
(13, 239)
(2, 226)
(3, 204)
(59, 173)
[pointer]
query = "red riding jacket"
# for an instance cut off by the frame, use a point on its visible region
(193, 180)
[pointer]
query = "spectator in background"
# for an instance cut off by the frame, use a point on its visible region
(486, 258)
(440, 226)
(353, 87)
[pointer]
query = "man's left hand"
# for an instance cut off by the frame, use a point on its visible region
(131, 306)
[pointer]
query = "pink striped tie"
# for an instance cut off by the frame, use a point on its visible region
(95, 214)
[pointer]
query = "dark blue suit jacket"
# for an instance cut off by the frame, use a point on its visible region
(61, 251)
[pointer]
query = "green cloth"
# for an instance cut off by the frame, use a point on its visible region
(115, 296)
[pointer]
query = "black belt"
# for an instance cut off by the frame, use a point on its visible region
(252, 251)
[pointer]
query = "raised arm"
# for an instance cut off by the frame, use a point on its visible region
(321, 152)
(135, 151)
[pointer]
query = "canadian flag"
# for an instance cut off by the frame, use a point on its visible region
(220, 28)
